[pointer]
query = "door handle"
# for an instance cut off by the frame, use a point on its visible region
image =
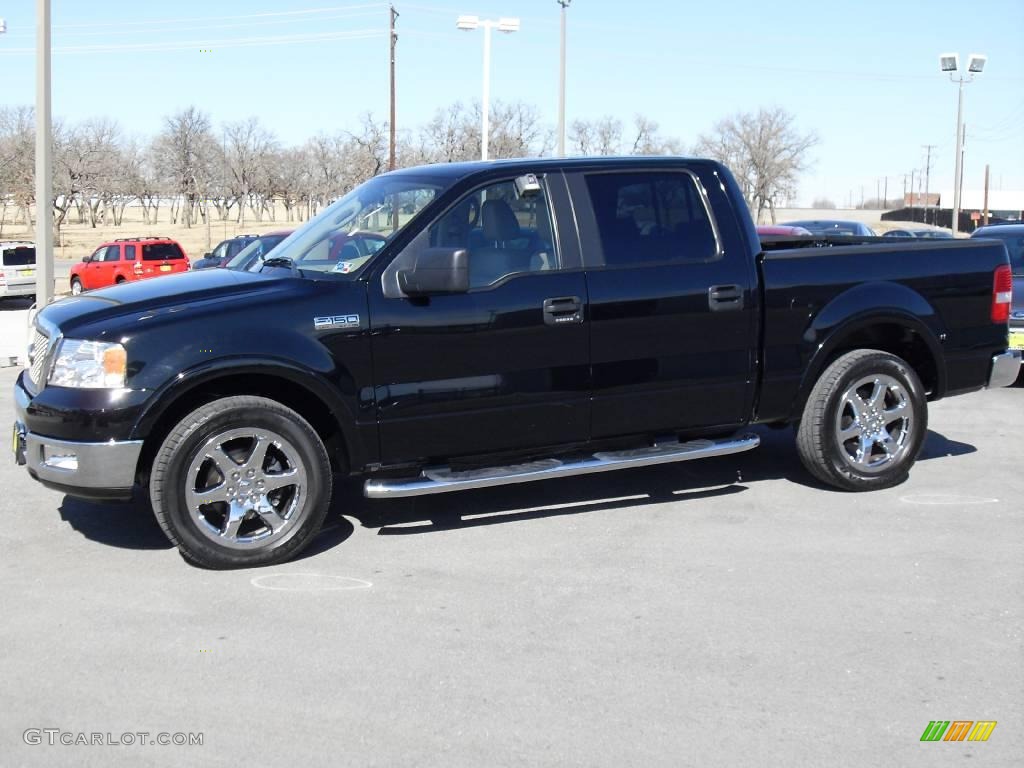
(725, 297)
(567, 309)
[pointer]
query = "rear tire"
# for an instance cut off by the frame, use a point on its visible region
(864, 422)
(241, 482)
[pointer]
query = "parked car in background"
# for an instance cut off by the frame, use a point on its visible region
(256, 249)
(780, 230)
(127, 259)
(224, 252)
(942, 234)
(1012, 236)
(17, 269)
(833, 227)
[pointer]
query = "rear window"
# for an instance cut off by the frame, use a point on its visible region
(161, 252)
(19, 256)
(651, 218)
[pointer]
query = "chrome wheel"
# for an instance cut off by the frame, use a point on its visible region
(874, 423)
(76, 287)
(246, 488)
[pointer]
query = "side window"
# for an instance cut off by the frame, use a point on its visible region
(506, 227)
(129, 253)
(647, 218)
(99, 254)
(113, 253)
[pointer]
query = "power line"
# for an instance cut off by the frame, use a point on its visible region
(204, 19)
(185, 45)
(241, 25)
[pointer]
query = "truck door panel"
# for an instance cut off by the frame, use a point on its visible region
(672, 326)
(488, 370)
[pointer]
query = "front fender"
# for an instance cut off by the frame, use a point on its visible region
(340, 397)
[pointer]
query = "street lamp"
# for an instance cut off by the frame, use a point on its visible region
(950, 62)
(507, 25)
(561, 84)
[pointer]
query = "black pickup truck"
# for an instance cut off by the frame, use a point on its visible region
(472, 325)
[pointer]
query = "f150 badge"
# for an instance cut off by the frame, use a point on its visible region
(336, 321)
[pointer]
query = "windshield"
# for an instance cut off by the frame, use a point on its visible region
(347, 233)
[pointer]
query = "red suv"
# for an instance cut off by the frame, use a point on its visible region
(126, 259)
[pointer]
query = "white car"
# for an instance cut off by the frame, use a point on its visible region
(17, 268)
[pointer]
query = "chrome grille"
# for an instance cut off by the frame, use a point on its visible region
(37, 356)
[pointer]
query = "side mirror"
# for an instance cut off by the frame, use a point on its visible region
(437, 270)
(206, 255)
(87, 258)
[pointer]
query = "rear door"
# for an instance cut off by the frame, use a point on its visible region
(672, 309)
(504, 367)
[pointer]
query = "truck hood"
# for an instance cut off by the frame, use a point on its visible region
(162, 295)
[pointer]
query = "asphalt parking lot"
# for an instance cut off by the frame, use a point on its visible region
(718, 613)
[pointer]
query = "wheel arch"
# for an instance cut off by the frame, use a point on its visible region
(299, 390)
(896, 320)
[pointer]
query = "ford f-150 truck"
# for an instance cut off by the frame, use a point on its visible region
(471, 325)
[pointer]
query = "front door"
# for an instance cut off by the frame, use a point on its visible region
(504, 367)
(673, 310)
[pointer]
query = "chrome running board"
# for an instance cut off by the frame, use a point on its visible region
(443, 479)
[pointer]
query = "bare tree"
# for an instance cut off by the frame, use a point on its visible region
(823, 202)
(596, 137)
(250, 148)
(17, 159)
(185, 151)
(765, 152)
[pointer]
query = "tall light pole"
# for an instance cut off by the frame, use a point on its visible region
(561, 84)
(950, 62)
(44, 158)
(502, 25)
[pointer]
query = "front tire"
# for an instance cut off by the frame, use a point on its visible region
(76, 286)
(241, 482)
(864, 422)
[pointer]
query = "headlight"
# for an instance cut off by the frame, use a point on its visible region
(89, 365)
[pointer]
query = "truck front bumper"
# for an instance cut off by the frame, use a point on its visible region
(1005, 368)
(92, 470)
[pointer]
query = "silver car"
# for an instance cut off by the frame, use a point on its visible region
(17, 269)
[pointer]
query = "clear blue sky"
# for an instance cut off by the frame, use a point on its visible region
(861, 75)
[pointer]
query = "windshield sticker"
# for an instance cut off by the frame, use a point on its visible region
(344, 267)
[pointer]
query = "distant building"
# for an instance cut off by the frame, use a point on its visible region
(1002, 203)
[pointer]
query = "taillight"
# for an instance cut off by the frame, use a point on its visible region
(137, 268)
(1002, 294)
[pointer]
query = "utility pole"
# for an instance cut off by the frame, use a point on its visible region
(927, 178)
(393, 39)
(985, 221)
(885, 194)
(878, 192)
(912, 193)
(904, 190)
(44, 158)
(561, 84)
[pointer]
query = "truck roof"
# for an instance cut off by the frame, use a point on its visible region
(473, 167)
